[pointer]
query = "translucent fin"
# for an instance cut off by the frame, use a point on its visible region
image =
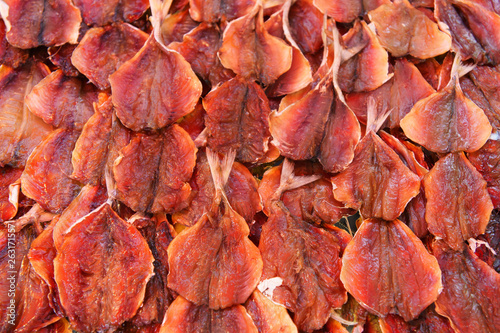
(110, 183)
(289, 181)
(341, 55)
(374, 119)
(474, 244)
(14, 193)
(201, 139)
(460, 69)
(159, 11)
(220, 170)
(286, 23)
(35, 215)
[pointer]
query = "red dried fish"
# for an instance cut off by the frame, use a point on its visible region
(298, 125)
(46, 176)
(101, 271)
(185, 317)
(342, 134)
(62, 101)
(474, 29)
(91, 148)
(240, 189)
(213, 262)
(296, 78)
(485, 80)
(458, 205)
(39, 22)
(160, 182)
(219, 10)
(413, 157)
(250, 51)
(458, 123)
(486, 160)
(376, 182)
(237, 119)
(173, 175)
(407, 89)
(368, 69)
(10, 55)
(158, 233)
(403, 30)
(306, 25)
(20, 130)
(388, 270)
(33, 310)
(171, 85)
(310, 280)
(294, 253)
(299, 75)
(89, 199)
(199, 47)
(268, 316)
(313, 202)
(470, 290)
(110, 11)
(103, 50)
(13, 248)
(41, 257)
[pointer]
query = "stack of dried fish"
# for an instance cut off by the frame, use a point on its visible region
(249, 166)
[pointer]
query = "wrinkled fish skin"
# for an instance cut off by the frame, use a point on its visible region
(46, 176)
(470, 290)
(102, 283)
(170, 95)
(308, 260)
(20, 130)
(404, 265)
(38, 22)
(458, 204)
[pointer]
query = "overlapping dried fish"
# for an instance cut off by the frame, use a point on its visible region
(117, 214)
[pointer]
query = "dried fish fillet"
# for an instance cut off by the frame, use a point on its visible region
(213, 262)
(403, 30)
(109, 11)
(458, 123)
(470, 290)
(62, 101)
(405, 279)
(46, 176)
(376, 182)
(154, 89)
(38, 22)
(20, 130)
(101, 271)
(458, 205)
(185, 317)
(250, 51)
(103, 50)
(237, 119)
